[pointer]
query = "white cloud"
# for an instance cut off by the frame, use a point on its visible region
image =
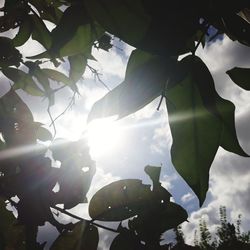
(187, 197)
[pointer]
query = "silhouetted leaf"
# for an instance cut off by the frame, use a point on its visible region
(82, 237)
(127, 240)
(23, 81)
(146, 76)
(241, 76)
(56, 76)
(196, 135)
(119, 200)
(9, 55)
(24, 33)
(125, 19)
(156, 219)
(43, 134)
(154, 174)
(77, 67)
(40, 32)
(229, 140)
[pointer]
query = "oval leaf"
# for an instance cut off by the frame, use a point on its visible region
(241, 76)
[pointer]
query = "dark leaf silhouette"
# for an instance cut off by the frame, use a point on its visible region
(241, 76)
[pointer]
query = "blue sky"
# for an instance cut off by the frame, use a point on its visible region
(144, 138)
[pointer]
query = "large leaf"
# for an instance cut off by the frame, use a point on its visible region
(219, 107)
(241, 76)
(146, 76)
(196, 135)
(126, 19)
(56, 76)
(82, 237)
(23, 81)
(119, 200)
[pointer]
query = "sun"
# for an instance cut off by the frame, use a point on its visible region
(104, 136)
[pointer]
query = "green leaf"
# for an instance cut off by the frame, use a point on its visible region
(40, 32)
(125, 19)
(145, 79)
(82, 41)
(229, 140)
(57, 76)
(23, 81)
(82, 237)
(77, 67)
(119, 200)
(24, 33)
(43, 134)
(241, 76)
(219, 107)
(196, 135)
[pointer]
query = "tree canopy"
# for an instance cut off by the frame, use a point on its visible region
(165, 35)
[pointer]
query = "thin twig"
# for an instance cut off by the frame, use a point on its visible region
(97, 75)
(82, 219)
(72, 101)
(201, 38)
(52, 121)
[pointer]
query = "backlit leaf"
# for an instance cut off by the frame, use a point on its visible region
(196, 135)
(23, 81)
(146, 76)
(77, 67)
(56, 76)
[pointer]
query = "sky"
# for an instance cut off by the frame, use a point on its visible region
(123, 148)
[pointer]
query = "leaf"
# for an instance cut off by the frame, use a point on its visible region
(24, 33)
(154, 174)
(23, 81)
(125, 19)
(82, 237)
(146, 76)
(43, 134)
(77, 67)
(229, 140)
(40, 32)
(159, 218)
(82, 41)
(9, 55)
(119, 200)
(219, 107)
(196, 135)
(127, 240)
(241, 76)
(56, 76)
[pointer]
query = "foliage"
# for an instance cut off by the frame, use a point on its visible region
(160, 31)
(226, 237)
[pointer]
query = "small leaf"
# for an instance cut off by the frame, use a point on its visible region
(23, 81)
(56, 76)
(77, 67)
(24, 33)
(241, 76)
(43, 134)
(154, 174)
